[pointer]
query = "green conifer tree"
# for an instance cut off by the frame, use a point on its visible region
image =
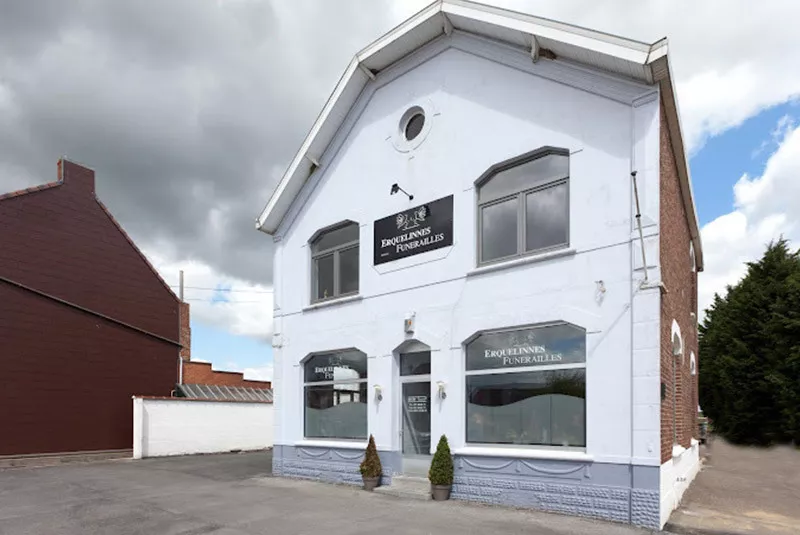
(371, 465)
(749, 361)
(441, 471)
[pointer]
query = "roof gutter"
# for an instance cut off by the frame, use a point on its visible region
(661, 72)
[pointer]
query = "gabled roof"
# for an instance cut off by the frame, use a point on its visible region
(635, 60)
(32, 189)
(63, 171)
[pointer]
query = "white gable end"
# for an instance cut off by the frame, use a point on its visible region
(484, 104)
(553, 95)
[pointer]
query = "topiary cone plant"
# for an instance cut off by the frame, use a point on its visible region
(441, 471)
(371, 468)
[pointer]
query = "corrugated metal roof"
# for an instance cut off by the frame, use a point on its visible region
(225, 393)
(635, 60)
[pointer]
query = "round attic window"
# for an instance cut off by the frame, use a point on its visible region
(414, 125)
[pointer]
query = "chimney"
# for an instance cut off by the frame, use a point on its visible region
(186, 332)
(75, 176)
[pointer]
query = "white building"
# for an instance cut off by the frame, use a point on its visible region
(507, 304)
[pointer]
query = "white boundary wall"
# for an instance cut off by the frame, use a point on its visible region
(676, 476)
(177, 426)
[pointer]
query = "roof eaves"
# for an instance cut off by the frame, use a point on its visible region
(588, 39)
(399, 31)
(662, 73)
(32, 189)
(370, 60)
(263, 222)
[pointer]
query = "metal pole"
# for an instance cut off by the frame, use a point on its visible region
(639, 224)
(181, 288)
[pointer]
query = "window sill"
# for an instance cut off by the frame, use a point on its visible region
(524, 453)
(332, 302)
(343, 444)
(541, 257)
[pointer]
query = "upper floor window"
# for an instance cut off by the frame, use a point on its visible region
(334, 258)
(523, 205)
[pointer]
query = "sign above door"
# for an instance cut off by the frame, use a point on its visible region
(417, 230)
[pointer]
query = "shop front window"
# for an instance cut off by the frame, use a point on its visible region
(527, 387)
(336, 395)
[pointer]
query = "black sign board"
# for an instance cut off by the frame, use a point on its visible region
(416, 230)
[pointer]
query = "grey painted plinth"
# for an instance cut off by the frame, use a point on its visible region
(334, 465)
(617, 492)
(622, 493)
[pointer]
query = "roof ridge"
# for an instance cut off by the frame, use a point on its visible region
(32, 189)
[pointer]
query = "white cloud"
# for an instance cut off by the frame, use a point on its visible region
(765, 208)
(237, 306)
(254, 373)
(259, 373)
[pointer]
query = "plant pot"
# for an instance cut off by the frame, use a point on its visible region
(370, 482)
(441, 492)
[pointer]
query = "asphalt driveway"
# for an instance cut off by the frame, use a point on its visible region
(233, 494)
(743, 490)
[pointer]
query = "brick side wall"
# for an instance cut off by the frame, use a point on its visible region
(201, 373)
(677, 304)
(62, 242)
(68, 376)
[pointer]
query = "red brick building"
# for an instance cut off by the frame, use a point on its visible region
(85, 321)
(678, 330)
(201, 373)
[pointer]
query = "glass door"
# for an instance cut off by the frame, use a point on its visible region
(417, 418)
(415, 379)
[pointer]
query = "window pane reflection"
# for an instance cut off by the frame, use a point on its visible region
(546, 218)
(532, 408)
(336, 411)
(499, 230)
(323, 267)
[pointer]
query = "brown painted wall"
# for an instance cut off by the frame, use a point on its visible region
(68, 375)
(201, 373)
(679, 301)
(61, 241)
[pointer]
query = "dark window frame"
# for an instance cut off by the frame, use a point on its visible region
(521, 197)
(336, 252)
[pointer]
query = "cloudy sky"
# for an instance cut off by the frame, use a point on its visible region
(189, 111)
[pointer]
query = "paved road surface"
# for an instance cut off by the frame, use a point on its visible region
(743, 490)
(234, 495)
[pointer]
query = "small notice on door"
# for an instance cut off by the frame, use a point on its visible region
(417, 404)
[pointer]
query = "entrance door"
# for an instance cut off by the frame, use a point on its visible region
(415, 377)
